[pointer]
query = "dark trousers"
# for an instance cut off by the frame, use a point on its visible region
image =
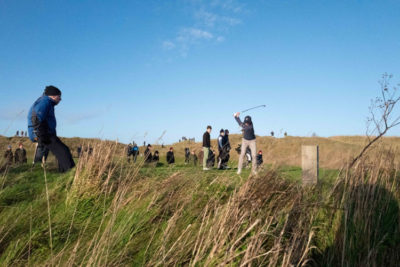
(187, 158)
(40, 153)
(62, 153)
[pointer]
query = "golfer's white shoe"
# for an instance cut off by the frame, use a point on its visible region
(206, 169)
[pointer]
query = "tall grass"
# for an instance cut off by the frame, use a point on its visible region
(107, 212)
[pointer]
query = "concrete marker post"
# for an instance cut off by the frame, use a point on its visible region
(310, 164)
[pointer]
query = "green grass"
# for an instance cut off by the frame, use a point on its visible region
(180, 215)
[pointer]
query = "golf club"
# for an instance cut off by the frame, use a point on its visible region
(251, 109)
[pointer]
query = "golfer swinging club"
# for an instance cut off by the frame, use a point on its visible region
(249, 140)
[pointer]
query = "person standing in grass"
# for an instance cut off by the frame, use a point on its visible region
(260, 160)
(206, 147)
(227, 148)
(79, 151)
(42, 129)
(129, 152)
(221, 148)
(135, 152)
(170, 156)
(248, 140)
(148, 157)
(20, 154)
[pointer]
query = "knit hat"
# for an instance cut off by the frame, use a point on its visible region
(148, 145)
(8, 146)
(222, 131)
(247, 119)
(226, 131)
(52, 90)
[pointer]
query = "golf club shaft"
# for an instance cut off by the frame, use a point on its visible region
(251, 109)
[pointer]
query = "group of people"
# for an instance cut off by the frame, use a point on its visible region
(19, 156)
(185, 139)
(22, 133)
(42, 130)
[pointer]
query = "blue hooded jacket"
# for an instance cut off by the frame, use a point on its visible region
(41, 119)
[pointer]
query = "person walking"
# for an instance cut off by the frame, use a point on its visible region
(42, 129)
(206, 147)
(20, 154)
(22, 133)
(8, 155)
(170, 156)
(248, 140)
(135, 152)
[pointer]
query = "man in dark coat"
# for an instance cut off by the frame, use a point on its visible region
(206, 147)
(221, 148)
(17, 133)
(129, 152)
(42, 129)
(22, 133)
(20, 154)
(170, 156)
(8, 155)
(147, 154)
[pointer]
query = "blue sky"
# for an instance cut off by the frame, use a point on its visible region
(130, 67)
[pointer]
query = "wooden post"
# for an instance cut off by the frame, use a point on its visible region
(310, 164)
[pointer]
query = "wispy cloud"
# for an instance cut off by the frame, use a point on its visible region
(210, 19)
(167, 45)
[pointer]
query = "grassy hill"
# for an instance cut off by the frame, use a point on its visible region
(106, 212)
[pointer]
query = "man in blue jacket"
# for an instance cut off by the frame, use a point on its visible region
(249, 140)
(42, 129)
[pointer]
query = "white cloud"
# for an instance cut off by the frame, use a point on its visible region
(231, 21)
(211, 17)
(207, 18)
(167, 45)
(192, 35)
